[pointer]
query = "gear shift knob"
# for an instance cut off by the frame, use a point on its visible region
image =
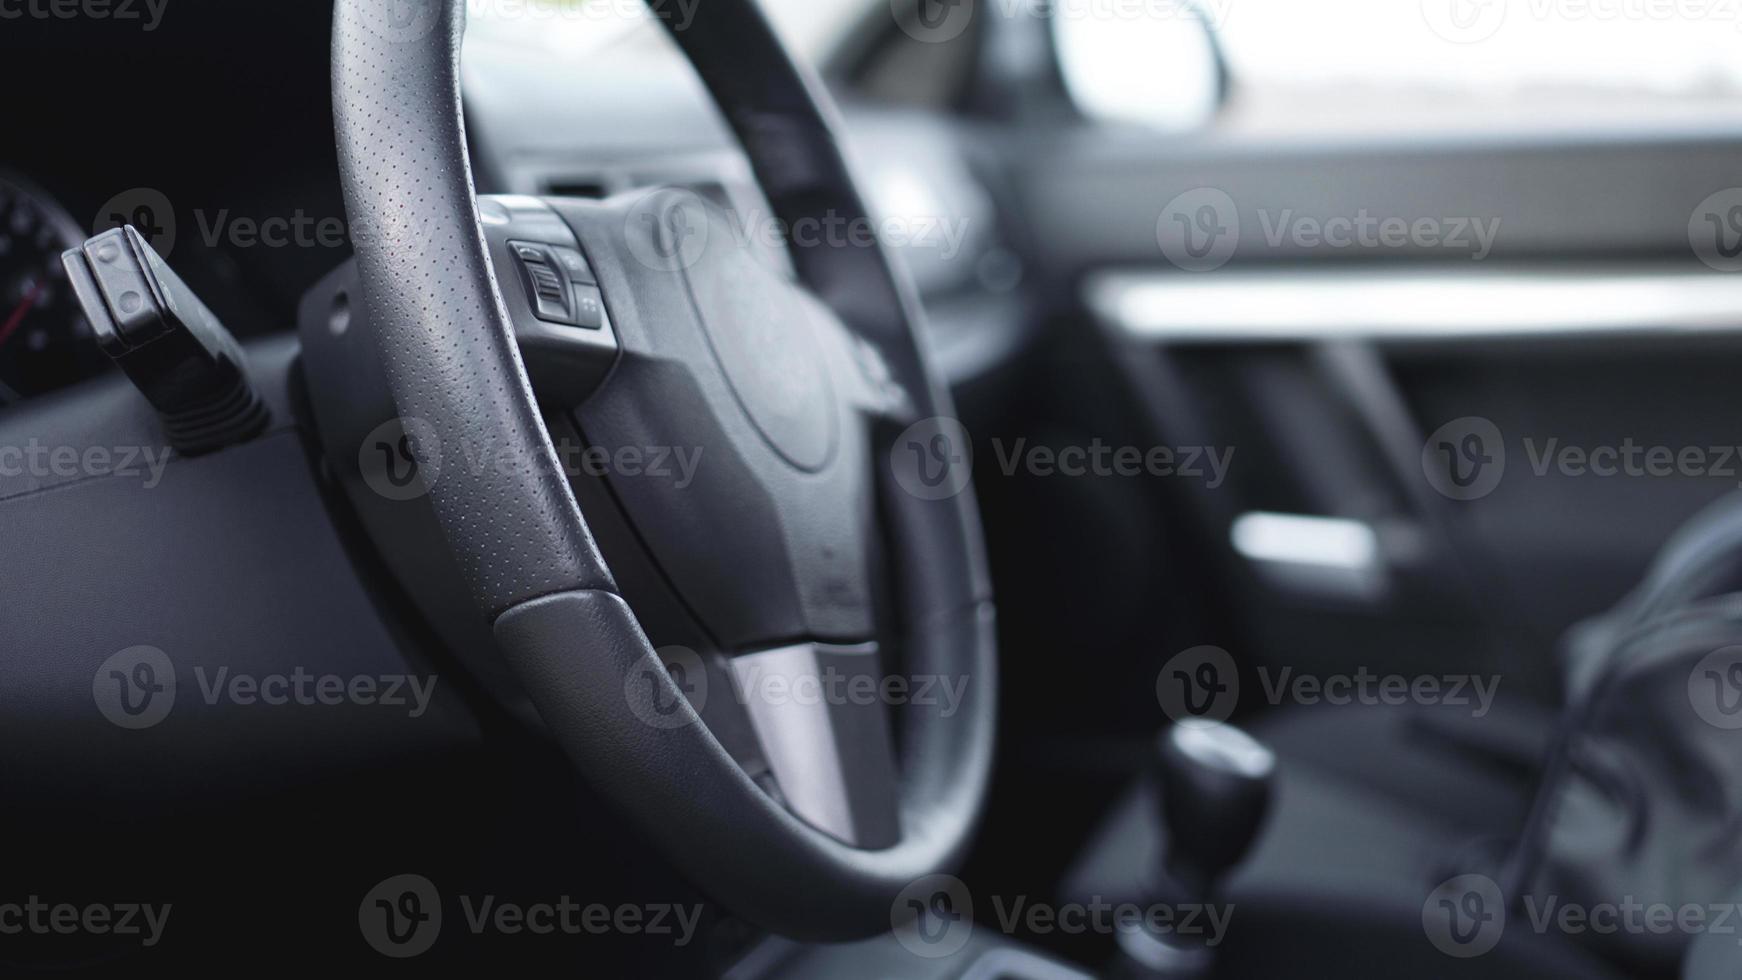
(1214, 786)
(1214, 781)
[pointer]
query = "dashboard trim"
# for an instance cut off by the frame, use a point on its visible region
(1243, 306)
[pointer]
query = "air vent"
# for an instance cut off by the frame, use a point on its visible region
(575, 188)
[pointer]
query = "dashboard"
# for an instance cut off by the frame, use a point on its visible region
(647, 122)
(239, 180)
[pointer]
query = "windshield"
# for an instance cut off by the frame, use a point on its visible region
(809, 26)
(1410, 64)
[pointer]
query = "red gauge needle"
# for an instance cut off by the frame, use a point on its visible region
(17, 315)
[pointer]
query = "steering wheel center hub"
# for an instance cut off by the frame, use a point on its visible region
(763, 340)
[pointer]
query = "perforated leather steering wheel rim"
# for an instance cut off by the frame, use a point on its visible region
(518, 536)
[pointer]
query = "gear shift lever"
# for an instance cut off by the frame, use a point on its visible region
(1213, 784)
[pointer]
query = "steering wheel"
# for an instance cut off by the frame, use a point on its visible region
(792, 385)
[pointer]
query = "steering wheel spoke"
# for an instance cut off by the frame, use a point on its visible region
(551, 295)
(819, 712)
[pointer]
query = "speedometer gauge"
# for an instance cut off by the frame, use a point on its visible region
(45, 342)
